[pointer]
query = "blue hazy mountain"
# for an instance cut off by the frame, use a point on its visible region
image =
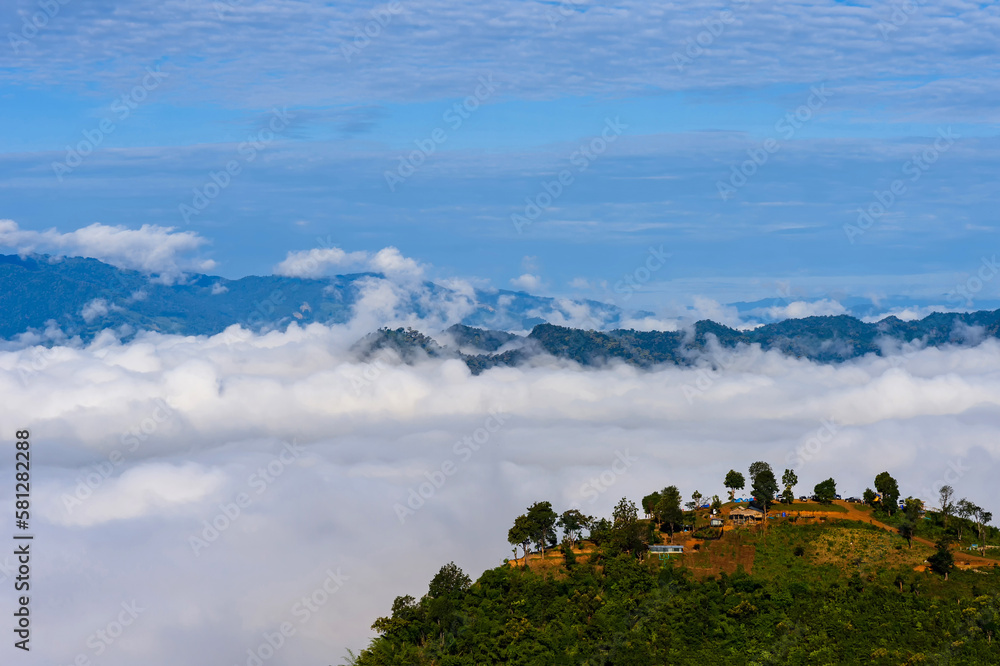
(84, 296)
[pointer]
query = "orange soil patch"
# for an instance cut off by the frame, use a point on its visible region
(715, 556)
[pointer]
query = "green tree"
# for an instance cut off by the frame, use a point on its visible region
(942, 561)
(826, 491)
(573, 522)
(983, 519)
(520, 535)
(446, 590)
(758, 467)
(734, 482)
(543, 521)
(449, 581)
(965, 509)
(911, 514)
(789, 479)
(944, 500)
(626, 534)
(669, 509)
(716, 503)
(696, 499)
(765, 486)
(869, 497)
(889, 489)
(649, 503)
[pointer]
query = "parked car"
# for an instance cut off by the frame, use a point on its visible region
(803, 498)
(837, 497)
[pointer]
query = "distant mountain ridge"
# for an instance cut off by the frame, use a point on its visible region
(85, 296)
(827, 339)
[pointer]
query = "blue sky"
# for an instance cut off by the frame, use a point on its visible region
(697, 89)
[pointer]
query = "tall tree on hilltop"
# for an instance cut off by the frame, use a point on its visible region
(764, 487)
(965, 509)
(520, 535)
(669, 509)
(983, 519)
(626, 533)
(944, 500)
(789, 479)
(826, 491)
(573, 522)
(889, 489)
(734, 482)
(543, 522)
(758, 467)
(911, 514)
(649, 503)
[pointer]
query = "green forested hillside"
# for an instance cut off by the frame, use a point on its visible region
(796, 608)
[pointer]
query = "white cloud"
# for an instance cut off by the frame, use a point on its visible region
(145, 490)
(194, 423)
(800, 309)
(393, 264)
(150, 249)
(527, 282)
(94, 309)
(317, 262)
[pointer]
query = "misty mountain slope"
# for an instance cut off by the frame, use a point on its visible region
(85, 296)
(827, 339)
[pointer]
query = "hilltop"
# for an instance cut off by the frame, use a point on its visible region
(827, 582)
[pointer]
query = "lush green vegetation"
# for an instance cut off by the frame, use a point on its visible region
(788, 592)
(804, 604)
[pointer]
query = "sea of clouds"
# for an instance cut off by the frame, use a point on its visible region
(225, 488)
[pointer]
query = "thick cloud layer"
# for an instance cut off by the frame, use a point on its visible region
(222, 488)
(151, 249)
